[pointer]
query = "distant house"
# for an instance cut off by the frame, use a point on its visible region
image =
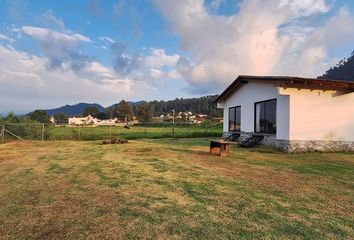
(293, 114)
(52, 119)
(198, 118)
(91, 120)
(82, 120)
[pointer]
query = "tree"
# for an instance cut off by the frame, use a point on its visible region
(145, 113)
(61, 118)
(123, 111)
(102, 115)
(344, 70)
(11, 118)
(39, 116)
(93, 111)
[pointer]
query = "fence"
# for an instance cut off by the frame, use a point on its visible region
(45, 132)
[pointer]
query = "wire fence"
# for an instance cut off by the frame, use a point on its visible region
(47, 132)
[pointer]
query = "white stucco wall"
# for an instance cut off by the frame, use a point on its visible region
(246, 96)
(320, 115)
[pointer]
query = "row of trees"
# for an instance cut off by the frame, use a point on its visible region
(37, 116)
(124, 111)
(145, 111)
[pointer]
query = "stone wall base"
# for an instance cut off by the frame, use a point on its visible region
(300, 146)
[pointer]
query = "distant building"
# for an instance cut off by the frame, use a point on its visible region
(199, 118)
(52, 119)
(82, 120)
(91, 120)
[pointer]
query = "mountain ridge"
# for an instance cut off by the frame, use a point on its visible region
(75, 109)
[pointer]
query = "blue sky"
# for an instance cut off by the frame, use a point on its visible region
(63, 52)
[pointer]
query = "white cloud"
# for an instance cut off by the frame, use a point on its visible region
(3, 37)
(106, 39)
(44, 34)
(263, 37)
(26, 83)
(59, 47)
(159, 58)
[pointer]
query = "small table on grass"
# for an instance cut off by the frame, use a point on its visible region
(221, 148)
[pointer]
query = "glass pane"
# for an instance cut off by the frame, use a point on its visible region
(265, 119)
(258, 117)
(271, 116)
(238, 119)
(232, 119)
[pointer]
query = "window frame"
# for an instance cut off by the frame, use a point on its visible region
(255, 116)
(235, 107)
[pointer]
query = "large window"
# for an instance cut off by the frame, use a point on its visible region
(235, 119)
(265, 117)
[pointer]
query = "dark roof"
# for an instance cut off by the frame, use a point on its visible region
(289, 82)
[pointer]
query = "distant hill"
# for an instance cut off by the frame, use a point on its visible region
(344, 70)
(73, 110)
(199, 105)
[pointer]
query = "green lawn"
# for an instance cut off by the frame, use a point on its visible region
(35, 132)
(172, 188)
(135, 132)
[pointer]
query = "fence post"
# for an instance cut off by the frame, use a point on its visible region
(3, 133)
(110, 131)
(42, 131)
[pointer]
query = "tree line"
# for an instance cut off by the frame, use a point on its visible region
(125, 111)
(344, 70)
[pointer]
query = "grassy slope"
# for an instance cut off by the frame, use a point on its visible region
(172, 189)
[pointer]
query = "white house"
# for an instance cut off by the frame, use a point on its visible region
(293, 114)
(91, 120)
(82, 120)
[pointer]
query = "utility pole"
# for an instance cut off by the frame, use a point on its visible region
(173, 117)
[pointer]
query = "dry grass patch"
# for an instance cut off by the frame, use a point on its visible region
(171, 189)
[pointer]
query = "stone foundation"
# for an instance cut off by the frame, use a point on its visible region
(299, 146)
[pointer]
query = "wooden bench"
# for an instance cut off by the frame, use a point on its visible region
(221, 148)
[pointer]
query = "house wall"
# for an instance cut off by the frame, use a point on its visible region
(246, 96)
(320, 115)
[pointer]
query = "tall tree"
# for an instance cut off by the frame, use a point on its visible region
(123, 111)
(61, 118)
(12, 118)
(144, 113)
(344, 70)
(93, 111)
(39, 116)
(102, 115)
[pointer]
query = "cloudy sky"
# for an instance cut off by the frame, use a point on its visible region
(64, 52)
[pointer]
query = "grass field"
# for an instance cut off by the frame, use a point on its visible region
(34, 131)
(172, 188)
(135, 132)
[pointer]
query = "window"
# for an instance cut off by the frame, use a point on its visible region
(235, 119)
(265, 117)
